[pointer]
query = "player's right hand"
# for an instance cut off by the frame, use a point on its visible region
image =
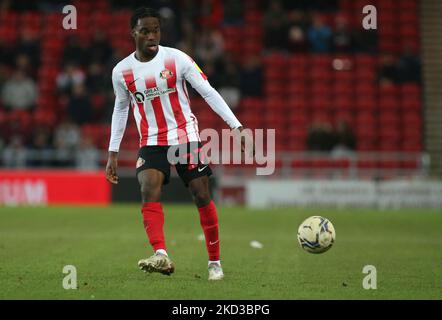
(111, 170)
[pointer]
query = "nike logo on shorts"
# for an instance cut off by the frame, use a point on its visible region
(201, 169)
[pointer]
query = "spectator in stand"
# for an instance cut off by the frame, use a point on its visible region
(233, 12)
(14, 154)
(388, 72)
(6, 53)
(210, 13)
(19, 92)
(29, 45)
(229, 83)
(345, 141)
(74, 52)
(189, 10)
(100, 49)
(365, 41)
(69, 133)
(169, 31)
(79, 106)
(320, 35)
(342, 38)
(409, 66)
(87, 156)
(186, 44)
(23, 63)
(4, 76)
(41, 152)
(66, 140)
(213, 74)
(320, 137)
(94, 78)
(251, 77)
(71, 76)
(297, 27)
(275, 27)
(210, 46)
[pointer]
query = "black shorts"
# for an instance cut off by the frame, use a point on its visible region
(185, 157)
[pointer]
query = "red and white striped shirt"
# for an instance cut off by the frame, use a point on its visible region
(156, 90)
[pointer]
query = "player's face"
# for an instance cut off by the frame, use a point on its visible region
(147, 35)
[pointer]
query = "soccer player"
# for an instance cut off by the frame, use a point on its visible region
(152, 80)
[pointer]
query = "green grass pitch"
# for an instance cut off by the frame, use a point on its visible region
(104, 244)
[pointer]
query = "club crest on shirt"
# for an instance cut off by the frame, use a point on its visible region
(140, 162)
(166, 74)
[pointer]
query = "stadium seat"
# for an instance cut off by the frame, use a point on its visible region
(343, 102)
(411, 104)
(409, 164)
(388, 103)
(366, 104)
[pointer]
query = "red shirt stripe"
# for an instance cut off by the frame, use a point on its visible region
(144, 126)
(175, 102)
(159, 114)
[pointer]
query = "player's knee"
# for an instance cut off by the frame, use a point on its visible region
(201, 197)
(150, 192)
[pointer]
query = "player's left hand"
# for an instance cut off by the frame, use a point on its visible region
(111, 169)
(247, 143)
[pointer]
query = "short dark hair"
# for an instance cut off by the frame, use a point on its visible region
(143, 12)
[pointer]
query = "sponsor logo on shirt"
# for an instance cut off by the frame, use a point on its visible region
(151, 93)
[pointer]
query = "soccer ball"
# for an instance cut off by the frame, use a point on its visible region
(316, 234)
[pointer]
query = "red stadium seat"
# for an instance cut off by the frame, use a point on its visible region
(298, 120)
(389, 146)
(344, 76)
(298, 61)
(252, 104)
(320, 89)
(411, 104)
(410, 90)
(297, 103)
(409, 164)
(366, 145)
(389, 164)
(321, 103)
(367, 163)
(388, 103)
(366, 104)
(343, 102)
(343, 89)
(344, 116)
(321, 116)
(296, 76)
(321, 61)
(411, 146)
(365, 61)
(275, 60)
(364, 90)
(320, 74)
(366, 74)
(389, 119)
(253, 17)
